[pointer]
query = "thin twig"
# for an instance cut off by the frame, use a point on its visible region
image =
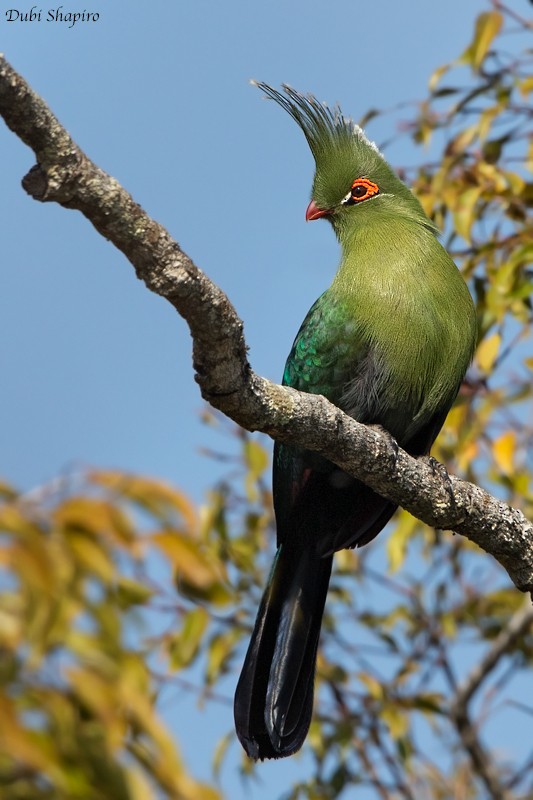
(518, 625)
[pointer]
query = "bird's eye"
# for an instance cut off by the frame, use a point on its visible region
(359, 191)
(362, 189)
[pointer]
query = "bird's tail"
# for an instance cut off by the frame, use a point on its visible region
(274, 697)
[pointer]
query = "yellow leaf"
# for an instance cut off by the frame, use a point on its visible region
(24, 747)
(449, 625)
(138, 785)
(526, 86)
(396, 721)
(256, 457)
(198, 573)
(220, 649)
(464, 214)
(487, 352)
(12, 520)
(467, 454)
(7, 492)
(95, 517)
(436, 75)
(92, 556)
(184, 646)
(131, 593)
(494, 176)
(374, 687)
(186, 558)
(256, 460)
(503, 451)
(516, 182)
(399, 539)
(97, 692)
(220, 752)
(157, 497)
(488, 26)
(33, 565)
(486, 118)
(462, 141)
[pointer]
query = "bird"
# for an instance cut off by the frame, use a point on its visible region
(389, 343)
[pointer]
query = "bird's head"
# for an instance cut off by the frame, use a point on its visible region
(353, 184)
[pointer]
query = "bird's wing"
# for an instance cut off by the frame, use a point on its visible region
(315, 501)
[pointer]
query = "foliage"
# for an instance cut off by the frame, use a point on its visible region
(480, 193)
(76, 698)
(117, 591)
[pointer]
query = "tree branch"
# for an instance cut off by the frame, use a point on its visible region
(64, 174)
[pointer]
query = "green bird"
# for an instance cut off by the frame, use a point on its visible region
(389, 343)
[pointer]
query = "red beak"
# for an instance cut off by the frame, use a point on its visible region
(314, 212)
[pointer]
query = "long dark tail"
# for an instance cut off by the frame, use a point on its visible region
(274, 697)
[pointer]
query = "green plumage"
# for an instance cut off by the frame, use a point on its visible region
(389, 342)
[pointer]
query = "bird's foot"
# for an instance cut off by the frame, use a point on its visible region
(442, 473)
(392, 445)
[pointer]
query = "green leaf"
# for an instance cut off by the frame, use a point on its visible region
(132, 593)
(183, 647)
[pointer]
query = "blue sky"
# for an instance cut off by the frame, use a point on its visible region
(96, 370)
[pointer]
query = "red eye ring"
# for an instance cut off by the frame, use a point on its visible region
(362, 189)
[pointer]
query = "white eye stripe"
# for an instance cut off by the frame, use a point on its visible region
(349, 199)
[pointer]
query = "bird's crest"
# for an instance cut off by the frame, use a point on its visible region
(322, 125)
